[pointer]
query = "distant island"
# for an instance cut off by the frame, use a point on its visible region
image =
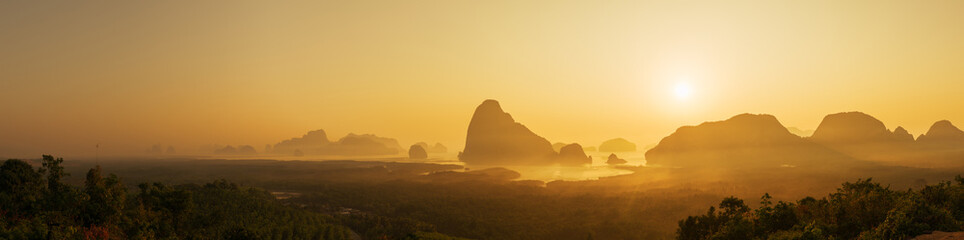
(317, 143)
(495, 138)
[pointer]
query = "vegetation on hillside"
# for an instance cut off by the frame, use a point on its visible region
(860, 210)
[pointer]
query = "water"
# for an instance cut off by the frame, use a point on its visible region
(596, 170)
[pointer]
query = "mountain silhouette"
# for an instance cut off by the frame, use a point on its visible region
(417, 152)
(437, 148)
(614, 160)
(558, 146)
(745, 140)
(855, 128)
(317, 143)
(361, 145)
(494, 138)
(573, 154)
(311, 140)
(247, 150)
(941, 146)
(617, 145)
(944, 135)
(864, 137)
(901, 134)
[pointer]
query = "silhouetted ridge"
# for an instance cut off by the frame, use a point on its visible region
(945, 138)
(617, 145)
(943, 131)
(901, 134)
(312, 139)
(363, 144)
(494, 138)
(317, 143)
(853, 128)
(745, 140)
(739, 131)
(864, 137)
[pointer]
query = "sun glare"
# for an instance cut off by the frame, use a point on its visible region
(682, 91)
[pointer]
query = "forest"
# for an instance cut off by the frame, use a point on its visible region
(859, 210)
(35, 203)
(201, 198)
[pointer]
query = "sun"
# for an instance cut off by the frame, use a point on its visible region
(682, 91)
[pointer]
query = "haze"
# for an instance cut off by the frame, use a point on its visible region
(126, 75)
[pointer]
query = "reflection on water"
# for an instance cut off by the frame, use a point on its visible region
(596, 170)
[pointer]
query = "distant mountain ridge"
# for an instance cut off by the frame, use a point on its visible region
(854, 128)
(316, 143)
(748, 140)
(862, 136)
(942, 132)
(745, 140)
(617, 145)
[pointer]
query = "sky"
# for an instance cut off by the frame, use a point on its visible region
(129, 74)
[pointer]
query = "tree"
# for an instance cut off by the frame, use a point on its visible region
(729, 223)
(771, 218)
(105, 198)
(21, 189)
(859, 206)
(59, 196)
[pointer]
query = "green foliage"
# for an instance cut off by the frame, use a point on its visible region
(864, 210)
(33, 209)
(105, 199)
(859, 206)
(21, 188)
(916, 215)
(772, 218)
(729, 223)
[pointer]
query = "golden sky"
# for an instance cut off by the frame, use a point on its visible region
(128, 74)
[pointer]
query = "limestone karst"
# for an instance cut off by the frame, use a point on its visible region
(495, 138)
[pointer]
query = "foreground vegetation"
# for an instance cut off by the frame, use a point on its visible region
(860, 210)
(394, 200)
(36, 204)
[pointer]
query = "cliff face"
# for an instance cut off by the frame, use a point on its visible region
(494, 138)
